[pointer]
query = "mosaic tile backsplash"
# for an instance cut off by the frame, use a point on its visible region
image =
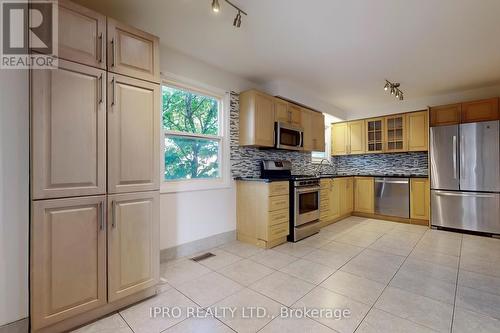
(245, 161)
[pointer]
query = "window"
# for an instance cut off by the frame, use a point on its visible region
(193, 137)
(318, 156)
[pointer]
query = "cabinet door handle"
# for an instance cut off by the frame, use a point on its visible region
(112, 52)
(113, 212)
(100, 89)
(99, 47)
(113, 87)
(101, 223)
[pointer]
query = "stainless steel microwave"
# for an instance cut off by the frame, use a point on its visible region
(288, 136)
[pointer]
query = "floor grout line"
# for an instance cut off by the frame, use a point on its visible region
(456, 285)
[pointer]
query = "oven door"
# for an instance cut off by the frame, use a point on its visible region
(306, 205)
(288, 137)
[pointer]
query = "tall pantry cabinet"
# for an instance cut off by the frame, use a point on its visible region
(95, 157)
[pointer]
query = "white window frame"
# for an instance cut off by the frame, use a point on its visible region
(187, 185)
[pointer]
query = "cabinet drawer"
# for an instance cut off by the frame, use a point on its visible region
(279, 216)
(278, 202)
(278, 188)
(278, 231)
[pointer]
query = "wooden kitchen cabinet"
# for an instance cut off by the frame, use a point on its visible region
(133, 135)
(287, 112)
(418, 131)
(340, 139)
(82, 35)
(445, 115)
(133, 243)
(346, 196)
(356, 134)
(68, 256)
(483, 110)
(348, 138)
(256, 119)
(419, 199)
(262, 212)
(133, 52)
(395, 134)
(364, 195)
(375, 135)
(68, 145)
(313, 124)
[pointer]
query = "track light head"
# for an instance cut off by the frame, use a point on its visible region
(215, 6)
(237, 20)
(386, 87)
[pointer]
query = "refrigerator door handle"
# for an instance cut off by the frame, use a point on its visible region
(463, 194)
(462, 157)
(455, 157)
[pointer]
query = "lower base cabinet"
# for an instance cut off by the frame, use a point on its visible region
(133, 243)
(68, 258)
(419, 199)
(364, 201)
(336, 198)
(262, 213)
(89, 252)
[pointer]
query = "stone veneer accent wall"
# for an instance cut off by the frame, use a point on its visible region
(245, 161)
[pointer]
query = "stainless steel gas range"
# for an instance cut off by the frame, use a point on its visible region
(304, 198)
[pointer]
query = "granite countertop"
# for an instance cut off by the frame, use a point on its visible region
(269, 180)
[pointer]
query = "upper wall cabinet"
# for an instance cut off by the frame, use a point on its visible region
(483, 110)
(418, 131)
(68, 146)
(469, 112)
(348, 138)
(390, 134)
(356, 137)
(82, 34)
(133, 135)
(313, 124)
(395, 133)
(445, 115)
(287, 113)
(256, 119)
(133, 52)
(375, 134)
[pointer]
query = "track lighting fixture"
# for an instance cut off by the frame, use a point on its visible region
(215, 6)
(237, 19)
(394, 89)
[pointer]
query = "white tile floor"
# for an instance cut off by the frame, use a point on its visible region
(392, 277)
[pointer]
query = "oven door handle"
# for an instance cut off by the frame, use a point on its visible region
(307, 190)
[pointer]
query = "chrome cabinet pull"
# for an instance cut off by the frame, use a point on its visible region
(100, 89)
(99, 47)
(113, 212)
(112, 52)
(101, 207)
(113, 87)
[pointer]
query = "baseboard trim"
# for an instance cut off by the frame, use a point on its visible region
(392, 218)
(20, 326)
(197, 246)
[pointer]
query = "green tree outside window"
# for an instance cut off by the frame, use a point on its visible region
(192, 142)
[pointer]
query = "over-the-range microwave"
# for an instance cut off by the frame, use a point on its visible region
(288, 136)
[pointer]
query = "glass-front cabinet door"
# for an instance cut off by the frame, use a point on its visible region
(375, 135)
(395, 127)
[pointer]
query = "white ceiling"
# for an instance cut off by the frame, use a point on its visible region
(341, 50)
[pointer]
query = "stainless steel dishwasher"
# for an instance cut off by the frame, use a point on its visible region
(392, 196)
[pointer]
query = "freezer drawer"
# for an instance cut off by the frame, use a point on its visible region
(466, 211)
(392, 197)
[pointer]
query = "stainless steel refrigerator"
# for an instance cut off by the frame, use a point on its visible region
(465, 176)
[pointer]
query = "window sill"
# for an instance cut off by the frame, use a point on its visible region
(194, 185)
